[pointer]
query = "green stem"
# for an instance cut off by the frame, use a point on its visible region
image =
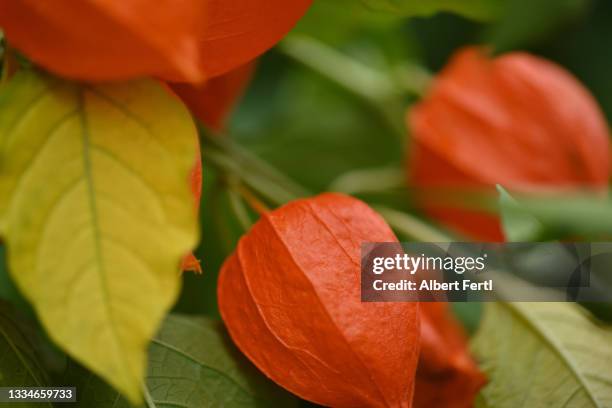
(361, 80)
(240, 211)
(271, 191)
(413, 79)
(375, 88)
(259, 176)
(369, 180)
(254, 174)
(411, 227)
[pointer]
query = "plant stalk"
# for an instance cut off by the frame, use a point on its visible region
(261, 179)
(375, 88)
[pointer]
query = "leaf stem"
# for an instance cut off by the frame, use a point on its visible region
(375, 88)
(360, 79)
(411, 227)
(254, 177)
(240, 211)
(147, 397)
(369, 180)
(252, 200)
(259, 176)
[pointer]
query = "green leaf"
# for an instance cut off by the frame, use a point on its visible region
(518, 224)
(19, 364)
(97, 213)
(587, 216)
(543, 355)
(475, 9)
(192, 364)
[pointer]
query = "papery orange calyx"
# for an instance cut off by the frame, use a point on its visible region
(239, 31)
(447, 376)
(213, 101)
(174, 40)
(100, 40)
(290, 298)
(516, 120)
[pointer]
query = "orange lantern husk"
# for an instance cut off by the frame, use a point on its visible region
(290, 298)
(516, 120)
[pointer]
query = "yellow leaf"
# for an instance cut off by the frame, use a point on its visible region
(96, 211)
